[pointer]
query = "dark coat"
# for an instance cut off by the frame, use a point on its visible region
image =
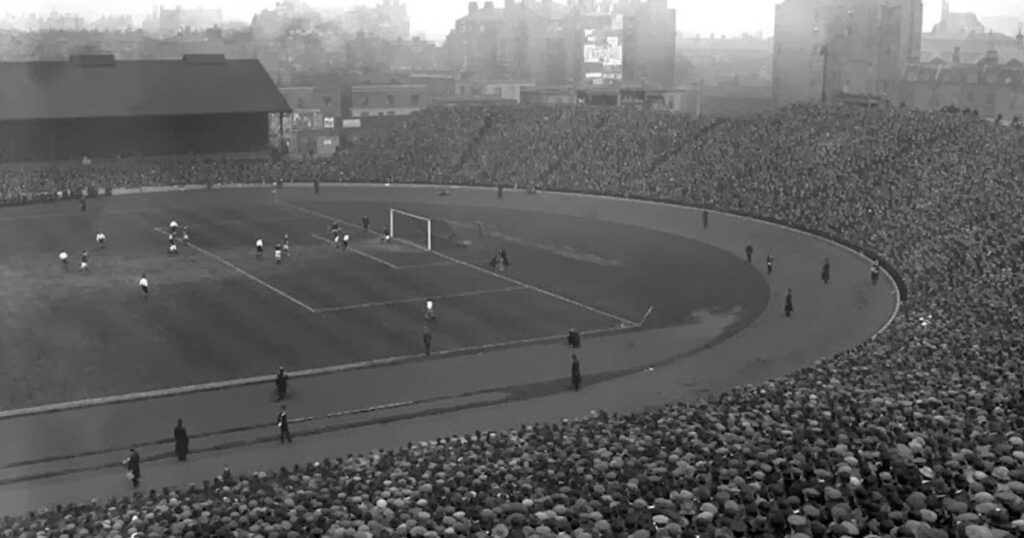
(180, 440)
(134, 464)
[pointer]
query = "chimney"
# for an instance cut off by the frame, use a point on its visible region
(956, 55)
(992, 56)
(1020, 36)
(473, 7)
(488, 5)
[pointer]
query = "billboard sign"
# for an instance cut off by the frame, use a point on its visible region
(602, 49)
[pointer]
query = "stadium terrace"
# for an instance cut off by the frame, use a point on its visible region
(914, 433)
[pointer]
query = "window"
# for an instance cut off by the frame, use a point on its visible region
(300, 103)
(990, 98)
(365, 101)
(415, 100)
(391, 100)
(327, 102)
(970, 96)
(364, 114)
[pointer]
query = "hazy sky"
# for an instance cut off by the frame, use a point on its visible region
(435, 17)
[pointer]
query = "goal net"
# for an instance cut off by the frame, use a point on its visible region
(410, 228)
(423, 232)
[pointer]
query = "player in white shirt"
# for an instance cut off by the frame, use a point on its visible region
(259, 248)
(63, 259)
(85, 261)
(172, 249)
(144, 286)
(184, 234)
(344, 242)
(101, 239)
(174, 227)
(284, 246)
(430, 310)
(277, 253)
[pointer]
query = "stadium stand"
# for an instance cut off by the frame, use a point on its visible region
(915, 433)
(95, 106)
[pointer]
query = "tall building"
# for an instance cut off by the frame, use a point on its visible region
(828, 47)
(649, 45)
(589, 42)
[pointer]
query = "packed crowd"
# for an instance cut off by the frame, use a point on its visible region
(915, 433)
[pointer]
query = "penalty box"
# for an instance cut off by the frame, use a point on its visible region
(430, 236)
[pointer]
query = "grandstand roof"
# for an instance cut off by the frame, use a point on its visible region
(95, 87)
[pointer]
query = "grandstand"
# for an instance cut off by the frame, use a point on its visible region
(96, 106)
(917, 432)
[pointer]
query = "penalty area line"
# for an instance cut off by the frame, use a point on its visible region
(246, 274)
(474, 293)
(359, 252)
(623, 321)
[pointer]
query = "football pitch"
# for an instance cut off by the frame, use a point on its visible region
(217, 312)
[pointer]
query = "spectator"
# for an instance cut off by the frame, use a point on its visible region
(134, 465)
(180, 441)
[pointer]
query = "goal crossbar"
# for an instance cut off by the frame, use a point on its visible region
(428, 241)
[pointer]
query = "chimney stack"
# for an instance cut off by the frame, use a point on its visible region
(956, 55)
(488, 5)
(473, 7)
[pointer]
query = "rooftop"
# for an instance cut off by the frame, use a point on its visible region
(99, 86)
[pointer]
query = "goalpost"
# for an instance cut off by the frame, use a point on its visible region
(410, 228)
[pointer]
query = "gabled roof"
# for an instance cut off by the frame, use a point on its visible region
(100, 87)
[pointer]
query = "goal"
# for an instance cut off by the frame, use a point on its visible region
(412, 229)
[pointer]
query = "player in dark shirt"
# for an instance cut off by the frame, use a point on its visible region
(335, 230)
(874, 273)
(504, 257)
(750, 253)
(826, 271)
(85, 260)
(770, 263)
(366, 223)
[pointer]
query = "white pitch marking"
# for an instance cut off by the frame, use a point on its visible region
(623, 321)
(248, 275)
(474, 293)
(218, 385)
(424, 265)
(359, 252)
